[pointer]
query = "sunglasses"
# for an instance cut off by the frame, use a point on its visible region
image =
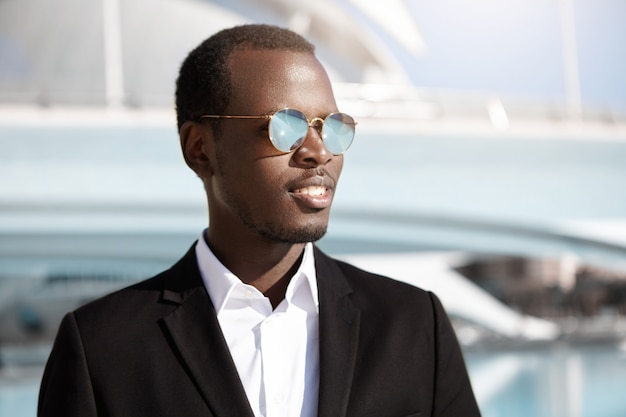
(288, 129)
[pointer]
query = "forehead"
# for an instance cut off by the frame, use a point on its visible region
(266, 80)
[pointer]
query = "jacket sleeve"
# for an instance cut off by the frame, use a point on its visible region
(66, 388)
(453, 391)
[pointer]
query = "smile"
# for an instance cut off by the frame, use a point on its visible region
(314, 190)
(313, 197)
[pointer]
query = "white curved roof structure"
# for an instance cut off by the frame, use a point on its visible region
(128, 52)
(453, 66)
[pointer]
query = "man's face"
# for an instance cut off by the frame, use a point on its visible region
(256, 189)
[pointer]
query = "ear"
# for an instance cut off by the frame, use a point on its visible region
(196, 142)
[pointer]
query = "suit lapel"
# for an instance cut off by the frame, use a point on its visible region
(339, 330)
(195, 335)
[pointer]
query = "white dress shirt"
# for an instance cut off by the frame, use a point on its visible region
(276, 352)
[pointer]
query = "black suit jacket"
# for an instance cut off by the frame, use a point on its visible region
(156, 349)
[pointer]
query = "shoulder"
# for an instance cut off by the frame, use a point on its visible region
(122, 304)
(382, 287)
(146, 299)
(371, 289)
(358, 278)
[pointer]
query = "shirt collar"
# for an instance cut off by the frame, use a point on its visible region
(220, 282)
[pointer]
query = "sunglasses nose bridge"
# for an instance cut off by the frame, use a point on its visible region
(316, 123)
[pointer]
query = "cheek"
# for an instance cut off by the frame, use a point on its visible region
(268, 183)
(258, 182)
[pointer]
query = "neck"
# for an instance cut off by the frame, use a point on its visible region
(267, 266)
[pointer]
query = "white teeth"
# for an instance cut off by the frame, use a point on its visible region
(315, 191)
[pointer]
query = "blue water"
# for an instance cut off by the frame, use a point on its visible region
(487, 177)
(512, 179)
(556, 382)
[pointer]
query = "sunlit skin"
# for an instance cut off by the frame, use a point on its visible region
(264, 204)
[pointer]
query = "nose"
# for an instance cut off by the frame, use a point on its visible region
(313, 152)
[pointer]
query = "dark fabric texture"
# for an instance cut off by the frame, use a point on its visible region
(156, 349)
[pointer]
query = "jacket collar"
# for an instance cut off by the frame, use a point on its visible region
(339, 332)
(195, 335)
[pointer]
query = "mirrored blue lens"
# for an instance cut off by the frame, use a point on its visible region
(288, 129)
(338, 132)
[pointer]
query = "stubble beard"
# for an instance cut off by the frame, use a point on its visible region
(280, 233)
(272, 231)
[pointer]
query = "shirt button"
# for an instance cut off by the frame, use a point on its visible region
(248, 293)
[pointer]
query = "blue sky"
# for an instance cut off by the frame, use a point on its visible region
(515, 47)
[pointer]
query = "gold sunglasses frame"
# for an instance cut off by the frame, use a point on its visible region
(317, 120)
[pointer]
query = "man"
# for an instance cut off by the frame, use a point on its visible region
(255, 320)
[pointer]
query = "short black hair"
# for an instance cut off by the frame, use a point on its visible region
(203, 85)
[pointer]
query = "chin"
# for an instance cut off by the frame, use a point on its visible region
(311, 233)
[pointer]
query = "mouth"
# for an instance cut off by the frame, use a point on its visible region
(315, 193)
(313, 190)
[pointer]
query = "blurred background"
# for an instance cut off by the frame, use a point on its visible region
(489, 166)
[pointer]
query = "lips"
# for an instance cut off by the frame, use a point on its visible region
(314, 193)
